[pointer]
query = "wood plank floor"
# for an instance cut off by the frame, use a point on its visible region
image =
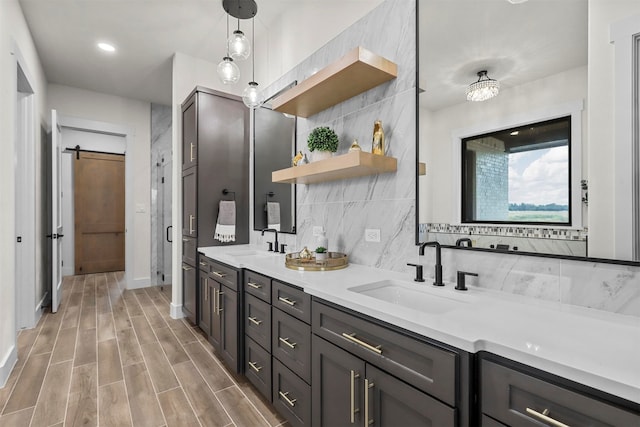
(114, 357)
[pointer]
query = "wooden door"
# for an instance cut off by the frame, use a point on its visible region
(99, 212)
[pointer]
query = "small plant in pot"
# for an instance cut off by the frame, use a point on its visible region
(322, 142)
(321, 253)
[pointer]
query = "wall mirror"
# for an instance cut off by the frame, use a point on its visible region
(274, 143)
(538, 53)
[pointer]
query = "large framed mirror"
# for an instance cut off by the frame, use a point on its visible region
(274, 143)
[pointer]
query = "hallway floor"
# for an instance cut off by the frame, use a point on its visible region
(114, 357)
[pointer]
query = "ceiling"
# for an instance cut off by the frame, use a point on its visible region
(458, 38)
(147, 33)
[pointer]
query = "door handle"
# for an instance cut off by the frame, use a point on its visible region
(367, 386)
(191, 229)
(60, 236)
(168, 238)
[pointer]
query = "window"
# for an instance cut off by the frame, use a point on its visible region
(519, 175)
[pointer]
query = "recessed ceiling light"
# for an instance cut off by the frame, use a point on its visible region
(106, 47)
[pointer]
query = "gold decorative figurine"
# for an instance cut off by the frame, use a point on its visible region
(355, 146)
(297, 158)
(377, 146)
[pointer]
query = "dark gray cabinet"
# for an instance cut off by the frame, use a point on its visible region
(189, 134)
(291, 395)
(189, 276)
(204, 310)
(189, 220)
(517, 395)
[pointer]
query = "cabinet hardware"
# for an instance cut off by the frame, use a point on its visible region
(185, 239)
(191, 154)
(217, 274)
(191, 229)
(206, 289)
(220, 309)
(215, 310)
(287, 301)
(203, 263)
(286, 341)
(185, 268)
(285, 395)
(352, 337)
(254, 285)
(354, 410)
(254, 321)
(544, 417)
(367, 386)
(255, 366)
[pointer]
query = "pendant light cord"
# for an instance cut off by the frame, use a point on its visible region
(253, 43)
(227, 39)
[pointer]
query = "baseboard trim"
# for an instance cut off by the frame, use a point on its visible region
(175, 311)
(144, 282)
(68, 271)
(7, 365)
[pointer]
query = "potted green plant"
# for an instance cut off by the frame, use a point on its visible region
(321, 253)
(322, 141)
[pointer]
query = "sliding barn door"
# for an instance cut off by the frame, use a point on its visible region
(99, 188)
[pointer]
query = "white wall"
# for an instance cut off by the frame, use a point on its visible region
(135, 115)
(14, 37)
(437, 191)
(601, 151)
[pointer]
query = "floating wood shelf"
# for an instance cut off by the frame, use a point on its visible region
(350, 165)
(355, 73)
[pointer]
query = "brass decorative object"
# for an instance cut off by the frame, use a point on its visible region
(297, 158)
(377, 145)
(305, 254)
(334, 261)
(355, 146)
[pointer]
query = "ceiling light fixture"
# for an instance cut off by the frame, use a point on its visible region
(251, 96)
(228, 71)
(106, 47)
(238, 45)
(483, 89)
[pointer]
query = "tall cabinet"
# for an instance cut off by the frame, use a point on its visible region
(215, 158)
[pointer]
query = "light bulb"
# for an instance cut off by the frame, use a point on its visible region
(239, 47)
(228, 71)
(252, 97)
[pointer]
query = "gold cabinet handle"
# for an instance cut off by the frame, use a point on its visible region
(191, 154)
(218, 274)
(201, 263)
(206, 289)
(185, 239)
(367, 386)
(255, 366)
(215, 290)
(186, 268)
(254, 320)
(191, 229)
(287, 342)
(220, 309)
(544, 416)
(254, 285)
(285, 396)
(287, 301)
(354, 410)
(352, 337)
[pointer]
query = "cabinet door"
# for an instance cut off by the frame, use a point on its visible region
(227, 306)
(204, 304)
(189, 135)
(189, 220)
(189, 250)
(389, 402)
(189, 295)
(215, 332)
(337, 393)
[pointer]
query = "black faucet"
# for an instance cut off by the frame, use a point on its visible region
(438, 281)
(460, 242)
(276, 242)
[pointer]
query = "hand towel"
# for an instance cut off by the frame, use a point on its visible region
(273, 215)
(226, 224)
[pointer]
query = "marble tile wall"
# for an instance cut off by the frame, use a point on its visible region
(160, 155)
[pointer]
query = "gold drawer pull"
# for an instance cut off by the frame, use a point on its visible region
(185, 239)
(191, 219)
(254, 320)
(352, 337)
(285, 395)
(286, 341)
(254, 285)
(367, 386)
(255, 366)
(287, 301)
(203, 263)
(218, 274)
(352, 390)
(185, 268)
(191, 151)
(544, 417)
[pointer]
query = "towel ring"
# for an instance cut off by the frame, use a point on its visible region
(225, 192)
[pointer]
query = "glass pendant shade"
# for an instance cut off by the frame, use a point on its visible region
(239, 47)
(228, 71)
(485, 88)
(252, 97)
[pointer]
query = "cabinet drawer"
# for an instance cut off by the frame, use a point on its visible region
(204, 263)
(189, 250)
(291, 300)
(291, 396)
(258, 367)
(490, 422)
(291, 343)
(257, 321)
(519, 399)
(257, 285)
(224, 274)
(423, 365)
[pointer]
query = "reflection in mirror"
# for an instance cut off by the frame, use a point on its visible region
(538, 53)
(274, 146)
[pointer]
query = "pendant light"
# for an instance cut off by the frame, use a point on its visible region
(251, 96)
(238, 45)
(228, 71)
(483, 89)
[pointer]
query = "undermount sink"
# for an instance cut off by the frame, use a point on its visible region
(249, 252)
(405, 295)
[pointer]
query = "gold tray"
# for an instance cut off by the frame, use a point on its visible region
(334, 261)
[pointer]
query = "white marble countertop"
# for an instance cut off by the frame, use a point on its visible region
(592, 347)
